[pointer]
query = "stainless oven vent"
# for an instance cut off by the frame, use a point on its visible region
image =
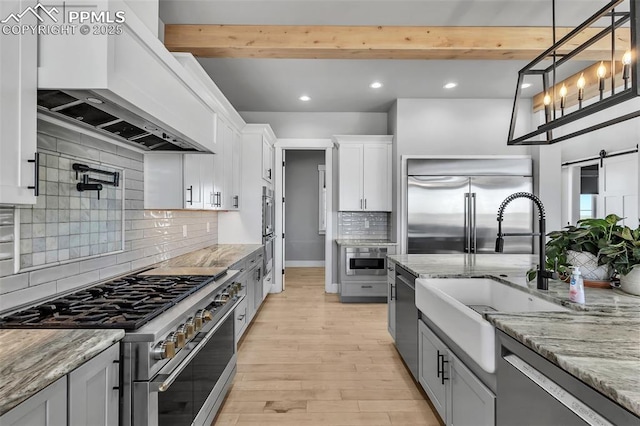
(88, 109)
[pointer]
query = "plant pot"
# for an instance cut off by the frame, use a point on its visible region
(630, 283)
(589, 267)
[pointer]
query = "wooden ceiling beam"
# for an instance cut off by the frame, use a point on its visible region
(377, 42)
(591, 88)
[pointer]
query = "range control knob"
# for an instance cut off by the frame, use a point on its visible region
(204, 315)
(164, 349)
(187, 329)
(196, 323)
(177, 338)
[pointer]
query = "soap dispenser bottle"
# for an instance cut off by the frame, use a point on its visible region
(576, 286)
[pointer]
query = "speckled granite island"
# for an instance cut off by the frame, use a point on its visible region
(31, 360)
(598, 343)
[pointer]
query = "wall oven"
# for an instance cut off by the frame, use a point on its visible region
(365, 261)
(268, 212)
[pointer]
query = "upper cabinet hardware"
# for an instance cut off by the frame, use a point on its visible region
(36, 185)
(86, 186)
(83, 168)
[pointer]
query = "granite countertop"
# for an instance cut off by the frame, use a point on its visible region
(364, 243)
(598, 342)
(31, 360)
(215, 256)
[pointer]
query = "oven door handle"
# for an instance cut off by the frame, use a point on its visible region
(166, 380)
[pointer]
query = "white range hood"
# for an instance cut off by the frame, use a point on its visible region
(125, 84)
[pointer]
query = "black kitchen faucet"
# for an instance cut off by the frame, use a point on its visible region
(543, 275)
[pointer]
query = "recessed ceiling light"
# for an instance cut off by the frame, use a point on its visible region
(94, 100)
(525, 85)
(304, 98)
(450, 85)
(375, 85)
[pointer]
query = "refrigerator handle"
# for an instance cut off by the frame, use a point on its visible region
(472, 220)
(467, 224)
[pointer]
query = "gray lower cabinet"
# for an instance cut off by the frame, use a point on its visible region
(460, 398)
(93, 390)
(471, 402)
(46, 408)
(431, 356)
(240, 314)
(391, 298)
(251, 281)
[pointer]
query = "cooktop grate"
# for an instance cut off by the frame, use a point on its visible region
(126, 303)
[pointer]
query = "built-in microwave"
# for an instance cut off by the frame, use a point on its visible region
(365, 261)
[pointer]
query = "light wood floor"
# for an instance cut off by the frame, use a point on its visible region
(308, 359)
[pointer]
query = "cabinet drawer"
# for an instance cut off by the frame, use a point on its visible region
(240, 315)
(364, 288)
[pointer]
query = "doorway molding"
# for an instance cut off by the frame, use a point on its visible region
(311, 145)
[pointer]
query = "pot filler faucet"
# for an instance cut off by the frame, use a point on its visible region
(543, 275)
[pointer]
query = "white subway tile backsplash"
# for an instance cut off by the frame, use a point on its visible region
(13, 283)
(75, 281)
(53, 273)
(115, 270)
(67, 226)
(27, 295)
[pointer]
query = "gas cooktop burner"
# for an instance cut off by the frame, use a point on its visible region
(125, 303)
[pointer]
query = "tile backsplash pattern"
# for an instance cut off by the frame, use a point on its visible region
(67, 224)
(6, 235)
(363, 225)
(149, 236)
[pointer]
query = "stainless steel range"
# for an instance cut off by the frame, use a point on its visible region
(178, 356)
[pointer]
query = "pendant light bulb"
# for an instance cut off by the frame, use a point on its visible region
(547, 99)
(563, 91)
(602, 70)
(626, 58)
(581, 82)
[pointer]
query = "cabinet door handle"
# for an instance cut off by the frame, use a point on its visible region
(365, 203)
(392, 296)
(269, 172)
(441, 371)
(366, 286)
(236, 202)
(36, 174)
(361, 203)
(190, 189)
(218, 201)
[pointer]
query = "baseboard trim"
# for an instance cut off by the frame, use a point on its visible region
(304, 263)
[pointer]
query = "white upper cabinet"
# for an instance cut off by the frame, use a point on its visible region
(236, 174)
(18, 85)
(177, 181)
(267, 160)
(364, 173)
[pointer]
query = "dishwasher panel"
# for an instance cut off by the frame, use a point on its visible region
(407, 319)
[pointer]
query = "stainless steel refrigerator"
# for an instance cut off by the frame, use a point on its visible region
(452, 204)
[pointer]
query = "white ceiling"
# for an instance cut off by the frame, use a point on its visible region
(342, 85)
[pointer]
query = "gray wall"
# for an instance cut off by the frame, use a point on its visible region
(320, 124)
(303, 243)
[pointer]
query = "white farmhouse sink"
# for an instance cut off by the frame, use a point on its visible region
(449, 303)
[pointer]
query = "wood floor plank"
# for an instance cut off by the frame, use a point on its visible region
(308, 359)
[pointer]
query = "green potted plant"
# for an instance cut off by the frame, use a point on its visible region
(580, 246)
(623, 253)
